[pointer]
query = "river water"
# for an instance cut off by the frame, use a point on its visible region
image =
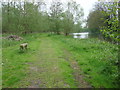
(82, 35)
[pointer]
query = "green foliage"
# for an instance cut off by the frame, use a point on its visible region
(97, 59)
(95, 20)
(112, 28)
(19, 17)
(25, 17)
(72, 18)
(14, 61)
(43, 53)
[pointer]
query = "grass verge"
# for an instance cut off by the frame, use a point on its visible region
(97, 59)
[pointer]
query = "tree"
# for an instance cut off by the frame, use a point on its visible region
(96, 20)
(10, 15)
(55, 15)
(72, 17)
(22, 17)
(67, 23)
(26, 17)
(112, 27)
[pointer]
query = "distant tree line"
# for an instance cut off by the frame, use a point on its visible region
(27, 17)
(103, 20)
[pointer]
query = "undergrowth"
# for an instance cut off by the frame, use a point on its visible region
(97, 59)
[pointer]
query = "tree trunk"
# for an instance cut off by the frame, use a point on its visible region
(8, 16)
(66, 34)
(119, 44)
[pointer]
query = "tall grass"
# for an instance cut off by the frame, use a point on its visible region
(15, 62)
(97, 59)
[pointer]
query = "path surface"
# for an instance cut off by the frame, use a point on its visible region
(79, 78)
(48, 68)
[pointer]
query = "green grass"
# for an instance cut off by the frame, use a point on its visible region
(97, 60)
(14, 61)
(43, 54)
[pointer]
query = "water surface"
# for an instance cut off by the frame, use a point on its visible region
(82, 35)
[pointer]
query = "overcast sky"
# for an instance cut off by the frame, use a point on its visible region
(87, 5)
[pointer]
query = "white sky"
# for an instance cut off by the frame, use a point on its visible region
(87, 5)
